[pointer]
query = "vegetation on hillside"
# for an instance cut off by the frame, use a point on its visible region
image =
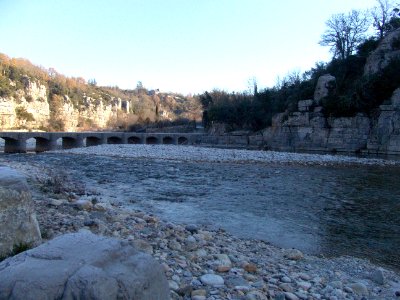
(346, 34)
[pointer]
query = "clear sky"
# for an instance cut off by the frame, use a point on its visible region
(186, 46)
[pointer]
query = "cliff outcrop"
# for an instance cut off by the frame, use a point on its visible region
(309, 130)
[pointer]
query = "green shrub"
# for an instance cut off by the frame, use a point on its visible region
(396, 43)
(5, 88)
(17, 248)
(340, 106)
(22, 114)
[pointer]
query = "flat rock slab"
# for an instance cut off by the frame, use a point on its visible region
(83, 266)
(19, 226)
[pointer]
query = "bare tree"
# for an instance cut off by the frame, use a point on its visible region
(381, 15)
(345, 32)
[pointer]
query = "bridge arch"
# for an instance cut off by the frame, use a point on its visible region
(93, 141)
(134, 140)
(114, 140)
(69, 142)
(12, 145)
(183, 140)
(168, 140)
(44, 144)
(151, 140)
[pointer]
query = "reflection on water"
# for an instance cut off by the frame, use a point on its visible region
(320, 210)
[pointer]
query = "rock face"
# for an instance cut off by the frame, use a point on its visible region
(325, 86)
(311, 131)
(83, 266)
(382, 55)
(17, 215)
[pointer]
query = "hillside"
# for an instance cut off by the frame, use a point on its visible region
(35, 98)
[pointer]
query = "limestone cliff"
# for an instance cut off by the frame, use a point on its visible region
(32, 108)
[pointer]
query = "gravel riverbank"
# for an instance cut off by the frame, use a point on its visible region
(191, 153)
(203, 263)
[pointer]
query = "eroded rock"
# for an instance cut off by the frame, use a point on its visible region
(325, 86)
(83, 266)
(19, 227)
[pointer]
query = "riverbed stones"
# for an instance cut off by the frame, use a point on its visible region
(19, 227)
(83, 265)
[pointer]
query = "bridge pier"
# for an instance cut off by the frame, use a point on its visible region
(14, 146)
(43, 144)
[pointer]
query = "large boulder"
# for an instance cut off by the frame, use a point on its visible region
(326, 85)
(83, 266)
(382, 55)
(19, 227)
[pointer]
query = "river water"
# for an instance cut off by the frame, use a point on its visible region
(320, 210)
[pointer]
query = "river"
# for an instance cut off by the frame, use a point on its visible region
(331, 211)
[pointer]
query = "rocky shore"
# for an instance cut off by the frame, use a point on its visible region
(203, 263)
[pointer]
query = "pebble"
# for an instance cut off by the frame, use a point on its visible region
(290, 296)
(293, 254)
(223, 260)
(251, 268)
(378, 276)
(174, 245)
(173, 285)
(199, 293)
(191, 228)
(255, 295)
(56, 202)
(286, 287)
(304, 285)
(223, 269)
(143, 246)
(336, 284)
(359, 288)
(83, 204)
(212, 279)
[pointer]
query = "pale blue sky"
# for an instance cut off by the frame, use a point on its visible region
(186, 46)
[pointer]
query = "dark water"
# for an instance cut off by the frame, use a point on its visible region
(319, 210)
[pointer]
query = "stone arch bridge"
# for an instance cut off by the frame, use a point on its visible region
(16, 142)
